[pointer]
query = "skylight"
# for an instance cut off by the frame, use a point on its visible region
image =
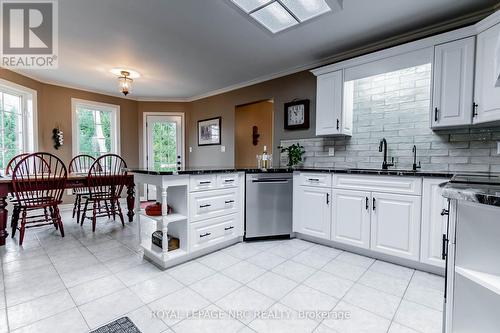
(279, 15)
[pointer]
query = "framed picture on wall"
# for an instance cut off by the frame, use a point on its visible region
(297, 115)
(209, 131)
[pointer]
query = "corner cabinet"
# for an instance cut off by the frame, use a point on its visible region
(333, 109)
(312, 211)
(453, 84)
(487, 89)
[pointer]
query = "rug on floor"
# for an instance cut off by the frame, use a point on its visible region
(122, 325)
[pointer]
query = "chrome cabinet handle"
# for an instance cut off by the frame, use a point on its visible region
(229, 201)
(229, 228)
(205, 206)
(205, 235)
(229, 181)
(313, 179)
(367, 204)
(205, 182)
(436, 114)
(445, 212)
(374, 203)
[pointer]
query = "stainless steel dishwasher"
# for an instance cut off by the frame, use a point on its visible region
(268, 211)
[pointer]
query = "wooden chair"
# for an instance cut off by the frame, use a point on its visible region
(106, 179)
(13, 162)
(39, 180)
(80, 164)
(8, 172)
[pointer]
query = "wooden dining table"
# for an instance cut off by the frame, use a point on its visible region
(74, 180)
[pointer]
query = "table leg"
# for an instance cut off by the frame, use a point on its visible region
(3, 220)
(130, 201)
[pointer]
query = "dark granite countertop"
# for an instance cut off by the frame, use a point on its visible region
(209, 170)
(480, 193)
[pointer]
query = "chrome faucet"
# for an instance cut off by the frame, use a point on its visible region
(415, 166)
(383, 147)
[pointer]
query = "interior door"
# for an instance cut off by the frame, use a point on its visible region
(164, 145)
(351, 217)
(395, 227)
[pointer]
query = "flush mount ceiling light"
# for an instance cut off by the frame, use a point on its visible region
(125, 79)
(279, 15)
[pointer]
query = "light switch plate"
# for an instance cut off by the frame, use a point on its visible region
(331, 151)
(222, 149)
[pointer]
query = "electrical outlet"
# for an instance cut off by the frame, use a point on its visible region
(190, 149)
(498, 147)
(331, 151)
(222, 149)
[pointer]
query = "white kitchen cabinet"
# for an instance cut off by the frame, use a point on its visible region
(395, 225)
(487, 92)
(351, 217)
(332, 118)
(312, 211)
(433, 223)
(453, 84)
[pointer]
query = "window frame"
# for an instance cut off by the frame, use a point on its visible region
(26, 94)
(115, 123)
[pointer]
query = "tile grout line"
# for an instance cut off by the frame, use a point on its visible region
(401, 301)
(66, 287)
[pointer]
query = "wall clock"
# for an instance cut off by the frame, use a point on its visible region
(297, 115)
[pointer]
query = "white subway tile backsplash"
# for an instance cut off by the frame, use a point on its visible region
(396, 106)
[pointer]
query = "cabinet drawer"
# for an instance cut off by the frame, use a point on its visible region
(210, 232)
(227, 180)
(203, 182)
(315, 179)
(388, 184)
(207, 204)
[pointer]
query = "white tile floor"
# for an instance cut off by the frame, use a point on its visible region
(85, 280)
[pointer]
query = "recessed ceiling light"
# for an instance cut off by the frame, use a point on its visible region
(279, 15)
(306, 9)
(250, 5)
(274, 17)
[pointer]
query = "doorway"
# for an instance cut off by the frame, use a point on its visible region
(163, 144)
(253, 130)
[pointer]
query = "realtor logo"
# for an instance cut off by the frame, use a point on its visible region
(29, 34)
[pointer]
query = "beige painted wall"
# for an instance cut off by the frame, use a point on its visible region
(301, 85)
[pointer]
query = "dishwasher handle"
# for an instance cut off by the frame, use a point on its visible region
(271, 181)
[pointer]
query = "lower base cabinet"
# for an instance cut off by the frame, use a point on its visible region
(313, 211)
(395, 225)
(351, 217)
(433, 222)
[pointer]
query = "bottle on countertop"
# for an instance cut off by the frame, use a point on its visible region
(266, 159)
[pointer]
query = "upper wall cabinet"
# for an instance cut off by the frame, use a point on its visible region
(453, 84)
(487, 89)
(332, 118)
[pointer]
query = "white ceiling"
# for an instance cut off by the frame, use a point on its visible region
(187, 48)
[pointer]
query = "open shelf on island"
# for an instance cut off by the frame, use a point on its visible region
(175, 217)
(489, 281)
(157, 252)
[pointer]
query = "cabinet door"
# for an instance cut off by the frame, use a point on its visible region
(453, 83)
(351, 217)
(433, 223)
(313, 211)
(487, 94)
(329, 103)
(395, 227)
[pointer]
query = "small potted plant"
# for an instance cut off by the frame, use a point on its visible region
(294, 152)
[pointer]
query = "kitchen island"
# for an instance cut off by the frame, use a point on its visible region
(472, 297)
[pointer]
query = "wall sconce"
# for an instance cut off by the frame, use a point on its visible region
(58, 137)
(255, 135)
